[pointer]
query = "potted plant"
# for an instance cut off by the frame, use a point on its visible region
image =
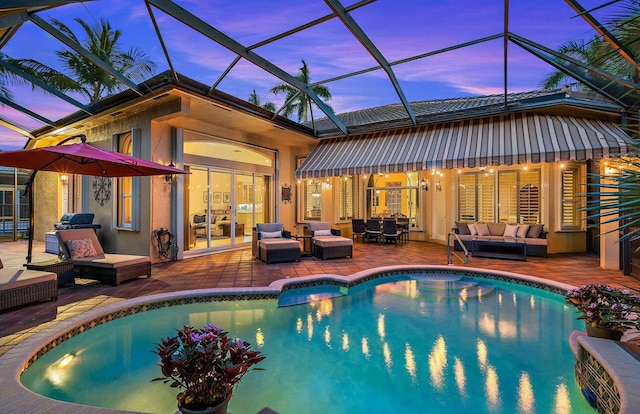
(607, 312)
(205, 364)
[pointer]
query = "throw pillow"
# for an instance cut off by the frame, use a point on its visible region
(535, 230)
(473, 231)
(322, 233)
(270, 234)
(463, 228)
(198, 219)
(483, 229)
(510, 231)
(81, 248)
(522, 231)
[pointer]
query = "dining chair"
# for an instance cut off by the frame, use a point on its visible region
(373, 230)
(390, 231)
(358, 229)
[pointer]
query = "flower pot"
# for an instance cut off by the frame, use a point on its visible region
(606, 333)
(217, 409)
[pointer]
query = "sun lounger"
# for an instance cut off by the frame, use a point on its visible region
(91, 262)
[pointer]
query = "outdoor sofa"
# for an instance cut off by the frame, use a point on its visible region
(91, 262)
(271, 243)
(533, 235)
(20, 286)
(327, 243)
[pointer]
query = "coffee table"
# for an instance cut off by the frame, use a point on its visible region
(62, 268)
(500, 249)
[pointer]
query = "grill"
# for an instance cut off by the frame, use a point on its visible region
(76, 221)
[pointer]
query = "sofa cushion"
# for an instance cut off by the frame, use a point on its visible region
(463, 228)
(496, 229)
(15, 278)
(473, 230)
(510, 230)
(322, 233)
(319, 225)
(270, 235)
(333, 241)
(279, 244)
(199, 218)
(269, 227)
(113, 261)
(483, 229)
(535, 230)
(522, 231)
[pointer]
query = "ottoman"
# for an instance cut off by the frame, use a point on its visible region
(332, 247)
(279, 250)
(20, 287)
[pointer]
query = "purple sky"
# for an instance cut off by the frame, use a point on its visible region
(399, 28)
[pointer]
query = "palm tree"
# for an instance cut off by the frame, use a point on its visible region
(625, 25)
(301, 104)
(255, 100)
(585, 52)
(83, 76)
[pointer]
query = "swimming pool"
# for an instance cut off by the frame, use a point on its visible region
(427, 342)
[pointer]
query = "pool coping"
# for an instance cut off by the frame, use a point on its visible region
(17, 359)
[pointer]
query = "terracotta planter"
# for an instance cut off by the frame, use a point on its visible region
(606, 333)
(218, 409)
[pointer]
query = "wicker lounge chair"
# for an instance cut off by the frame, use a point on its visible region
(20, 287)
(93, 263)
(327, 242)
(272, 243)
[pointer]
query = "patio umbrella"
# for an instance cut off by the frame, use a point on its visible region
(81, 159)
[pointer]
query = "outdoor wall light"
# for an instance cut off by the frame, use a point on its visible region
(425, 185)
(64, 178)
(168, 178)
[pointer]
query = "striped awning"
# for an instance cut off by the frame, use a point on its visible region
(521, 138)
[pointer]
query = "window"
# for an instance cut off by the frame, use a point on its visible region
(570, 198)
(393, 195)
(128, 188)
(517, 196)
(345, 198)
(312, 199)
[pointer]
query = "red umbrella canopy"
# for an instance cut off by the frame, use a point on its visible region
(84, 159)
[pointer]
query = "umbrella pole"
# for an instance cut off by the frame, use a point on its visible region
(31, 218)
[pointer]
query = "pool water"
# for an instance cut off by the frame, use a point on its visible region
(409, 344)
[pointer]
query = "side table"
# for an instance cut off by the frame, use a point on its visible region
(306, 250)
(64, 270)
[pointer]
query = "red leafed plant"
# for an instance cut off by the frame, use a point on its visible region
(205, 363)
(603, 306)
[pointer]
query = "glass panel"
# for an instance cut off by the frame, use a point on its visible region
(247, 206)
(312, 200)
(508, 196)
(263, 200)
(222, 228)
(467, 197)
(6, 214)
(486, 197)
(196, 201)
(529, 197)
(346, 198)
(570, 186)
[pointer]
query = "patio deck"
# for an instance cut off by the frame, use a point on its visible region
(239, 269)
